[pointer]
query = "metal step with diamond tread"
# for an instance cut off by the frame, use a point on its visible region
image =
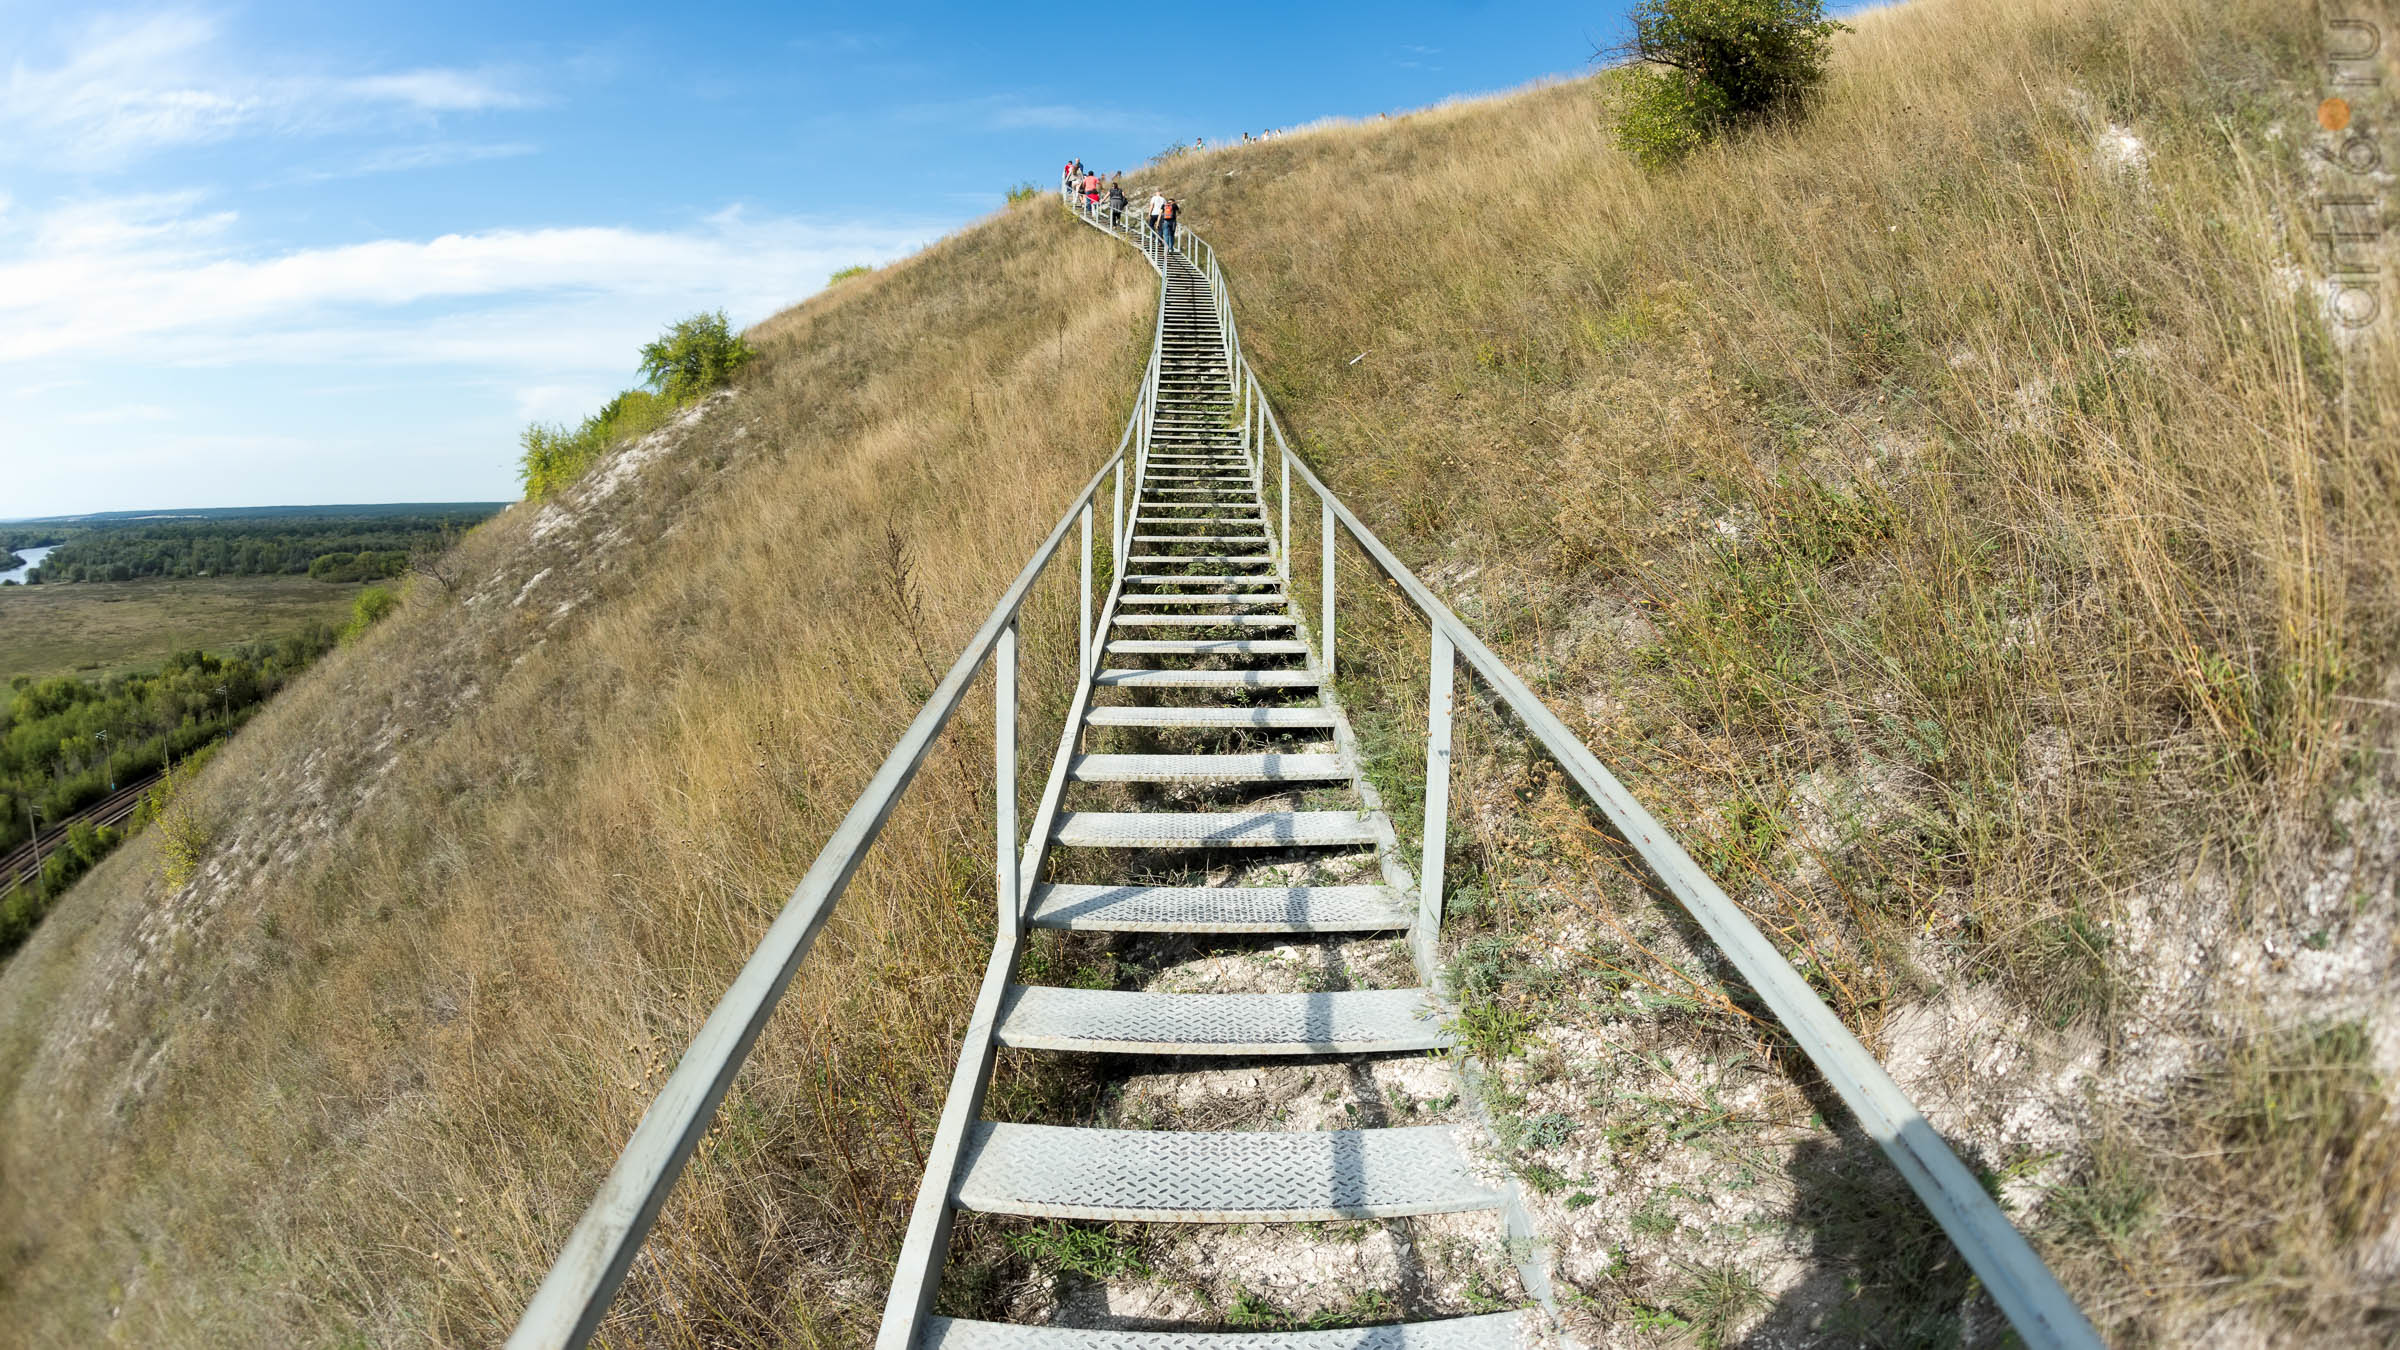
(1269, 768)
(1180, 1176)
(1216, 829)
(1119, 678)
(1119, 1022)
(1249, 719)
(1129, 908)
(1487, 1331)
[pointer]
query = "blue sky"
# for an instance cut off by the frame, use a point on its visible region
(259, 254)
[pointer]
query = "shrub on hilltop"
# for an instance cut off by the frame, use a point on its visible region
(690, 359)
(694, 356)
(1704, 68)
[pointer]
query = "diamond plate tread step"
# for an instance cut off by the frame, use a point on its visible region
(1220, 909)
(1111, 715)
(1197, 520)
(1214, 829)
(1267, 768)
(1208, 679)
(1490, 1331)
(1257, 559)
(1124, 1022)
(1163, 1176)
(1207, 647)
(1263, 598)
(1202, 621)
(1259, 539)
(1199, 579)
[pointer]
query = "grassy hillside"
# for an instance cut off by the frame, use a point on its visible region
(1949, 513)
(472, 877)
(1960, 517)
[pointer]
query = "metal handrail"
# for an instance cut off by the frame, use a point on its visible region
(2023, 1287)
(573, 1298)
(567, 1309)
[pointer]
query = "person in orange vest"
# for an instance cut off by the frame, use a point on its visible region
(1166, 220)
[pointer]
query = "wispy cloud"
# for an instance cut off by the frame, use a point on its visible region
(154, 278)
(123, 87)
(1013, 112)
(411, 158)
(434, 90)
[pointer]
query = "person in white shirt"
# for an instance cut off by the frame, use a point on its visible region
(1158, 203)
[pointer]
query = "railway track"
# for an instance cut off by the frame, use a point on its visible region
(24, 862)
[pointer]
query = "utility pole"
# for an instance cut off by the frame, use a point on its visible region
(39, 879)
(108, 762)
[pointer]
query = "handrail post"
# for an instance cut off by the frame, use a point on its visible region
(1241, 387)
(1437, 801)
(1326, 502)
(1287, 520)
(1004, 777)
(1083, 612)
(1116, 535)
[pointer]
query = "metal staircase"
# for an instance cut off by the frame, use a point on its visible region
(1207, 782)
(1203, 650)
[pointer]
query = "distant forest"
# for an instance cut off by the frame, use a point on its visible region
(365, 544)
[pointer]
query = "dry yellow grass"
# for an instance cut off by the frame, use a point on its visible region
(1934, 451)
(475, 882)
(1960, 518)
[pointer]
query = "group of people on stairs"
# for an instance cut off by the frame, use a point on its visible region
(1163, 209)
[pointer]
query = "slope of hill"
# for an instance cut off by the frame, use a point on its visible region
(1966, 517)
(468, 879)
(1954, 513)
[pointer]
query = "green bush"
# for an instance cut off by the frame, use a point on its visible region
(1023, 192)
(694, 357)
(184, 834)
(1709, 67)
(846, 273)
(688, 360)
(556, 456)
(367, 610)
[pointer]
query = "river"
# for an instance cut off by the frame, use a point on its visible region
(33, 558)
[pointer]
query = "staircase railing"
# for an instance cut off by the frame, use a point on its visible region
(2023, 1287)
(573, 1298)
(568, 1307)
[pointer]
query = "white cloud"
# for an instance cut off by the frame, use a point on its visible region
(436, 90)
(1009, 112)
(409, 158)
(125, 86)
(152, 279)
